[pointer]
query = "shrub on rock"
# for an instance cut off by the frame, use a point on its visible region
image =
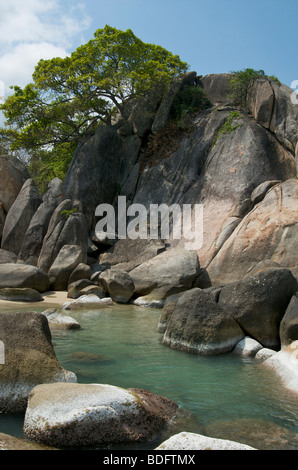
(259, 302)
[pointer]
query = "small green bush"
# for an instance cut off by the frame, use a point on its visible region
(67, 213)
(240, 82)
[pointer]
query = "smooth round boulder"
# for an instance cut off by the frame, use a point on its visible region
(23, 276)
(199, 325)
(118, 284)
(192, 441)
(81, 415)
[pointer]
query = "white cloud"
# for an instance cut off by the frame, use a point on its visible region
(31, 30)
(18, 64)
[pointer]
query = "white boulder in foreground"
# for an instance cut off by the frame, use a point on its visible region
(85, 415)
(191, 441)
(285, 364)
(247, 347)
(89, 301)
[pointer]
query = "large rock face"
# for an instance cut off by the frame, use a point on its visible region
(269, 232)
(78, 415)
(38, 226)
(92, 178)
(29, 359)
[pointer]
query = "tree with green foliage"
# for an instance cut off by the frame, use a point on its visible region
(70, 96)
(241, 81)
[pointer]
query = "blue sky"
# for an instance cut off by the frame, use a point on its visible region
(212, 36)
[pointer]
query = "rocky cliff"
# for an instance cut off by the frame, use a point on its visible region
(239, 165)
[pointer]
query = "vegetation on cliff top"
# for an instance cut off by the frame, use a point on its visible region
(69, 97)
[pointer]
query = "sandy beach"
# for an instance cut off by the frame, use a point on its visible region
(51, 299)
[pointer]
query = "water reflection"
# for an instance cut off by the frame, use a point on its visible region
(223, 396)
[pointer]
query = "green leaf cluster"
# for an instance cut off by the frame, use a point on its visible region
(189, 100)
(228, 126)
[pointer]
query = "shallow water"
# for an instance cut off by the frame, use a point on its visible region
(223, 396)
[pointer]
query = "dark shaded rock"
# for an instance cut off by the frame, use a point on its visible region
(168, 273)
(142, 112)
(15, 294)
(68, 258)
(74, 289)
(259, 302)
(82, 271)
(93, 290)
(107, 415)
(30, 359)
(7, 257)
(38, 226)
(199, 325)
(19, 217)
(168, 308)
(217, 87)
(2, 219)
(8, 442)
(260, 101)
(162, 115)
(65, 228)
(289, 324)
(23, 276)
(260, 191)
(127, 254)
(118, 284)
(92, 178)
(13, 176)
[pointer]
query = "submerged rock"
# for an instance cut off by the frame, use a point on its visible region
(59, 320)
(80, 415)
(29, 359)
(89, 301)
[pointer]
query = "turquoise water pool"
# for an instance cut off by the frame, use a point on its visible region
(221, 396)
